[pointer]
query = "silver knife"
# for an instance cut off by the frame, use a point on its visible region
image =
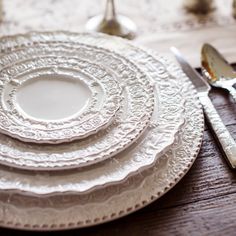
(226, 141)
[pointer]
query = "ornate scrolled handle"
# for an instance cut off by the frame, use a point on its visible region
(232, 91)
(225, 139)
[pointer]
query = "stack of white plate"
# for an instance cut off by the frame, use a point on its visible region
(92, 128)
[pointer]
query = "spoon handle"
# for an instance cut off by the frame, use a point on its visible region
(232, 91)
(223, 136)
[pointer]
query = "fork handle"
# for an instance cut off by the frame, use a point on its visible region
(225, 139)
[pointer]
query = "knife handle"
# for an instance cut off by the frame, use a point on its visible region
(225, 139)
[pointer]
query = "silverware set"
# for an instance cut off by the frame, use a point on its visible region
(218, 73)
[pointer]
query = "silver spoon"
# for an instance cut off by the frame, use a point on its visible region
(217, 70)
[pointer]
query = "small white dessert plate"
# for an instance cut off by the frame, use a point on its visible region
(54, 99)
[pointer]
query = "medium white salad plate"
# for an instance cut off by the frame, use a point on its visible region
(154, 162)
(45, 87)
(130, 120)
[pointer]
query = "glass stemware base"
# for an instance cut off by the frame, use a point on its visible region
(120, 26)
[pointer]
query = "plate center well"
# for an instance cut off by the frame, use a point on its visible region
(52, 97)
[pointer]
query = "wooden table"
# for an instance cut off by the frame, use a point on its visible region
(204, 201)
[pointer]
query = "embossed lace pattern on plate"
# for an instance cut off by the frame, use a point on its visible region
(137, 191)
(130, 121)
(99, 112)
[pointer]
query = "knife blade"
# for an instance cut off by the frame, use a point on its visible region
(200, 84)
(224, 138)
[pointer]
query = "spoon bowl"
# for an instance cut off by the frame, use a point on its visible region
(217, 70)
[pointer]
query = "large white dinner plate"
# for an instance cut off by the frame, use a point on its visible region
(70, 210)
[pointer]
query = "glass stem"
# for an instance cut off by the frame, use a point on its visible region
(110, 13)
